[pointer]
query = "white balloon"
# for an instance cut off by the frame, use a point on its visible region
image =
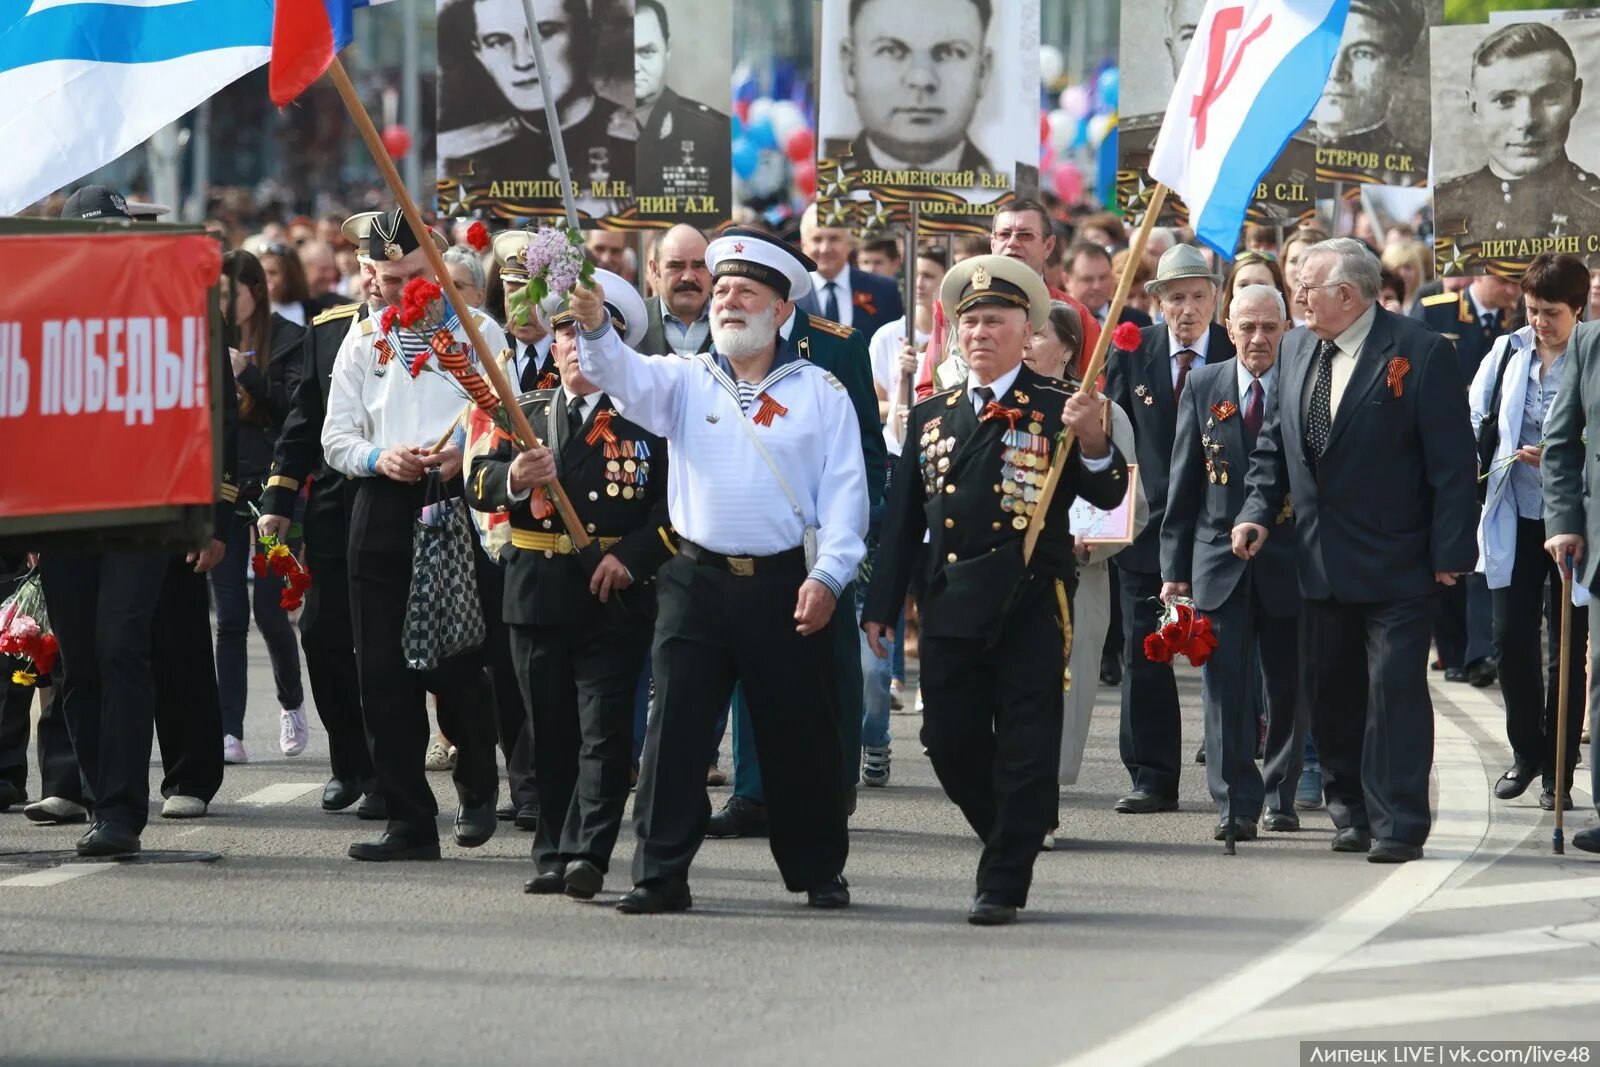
(1062, 127)
(786, 118)
(1051, 63)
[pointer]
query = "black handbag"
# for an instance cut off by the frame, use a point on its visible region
(1489, 428)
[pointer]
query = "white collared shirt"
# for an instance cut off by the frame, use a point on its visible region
(1344, 361)
(1245, 378)
(1199, 348)
(526, 353)
(1001, 386)
(841, 293)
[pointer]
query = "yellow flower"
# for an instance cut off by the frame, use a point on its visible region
(23, 678)
(278, 551)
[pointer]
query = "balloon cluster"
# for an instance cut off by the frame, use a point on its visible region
(774, 136)
(1076, 123)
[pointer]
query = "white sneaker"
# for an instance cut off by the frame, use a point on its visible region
(233, 750)
(441, 757)
(182, 807)
(292, 731)
(919, 700)
(1049, 843)
(55, 811)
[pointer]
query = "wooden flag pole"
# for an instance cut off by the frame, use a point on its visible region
(1097, 363)
(491, 367)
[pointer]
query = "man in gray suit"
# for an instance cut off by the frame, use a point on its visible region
(1568, 466)
(1253, 607)
(1370, 433)
(679, 314)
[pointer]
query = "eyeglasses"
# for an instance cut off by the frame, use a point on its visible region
(1020, 236)
(1302, 287)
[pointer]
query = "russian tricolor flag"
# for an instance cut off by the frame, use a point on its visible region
(306, 35)
(1254, 71)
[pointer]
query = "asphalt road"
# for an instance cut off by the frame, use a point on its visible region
(1143, 944)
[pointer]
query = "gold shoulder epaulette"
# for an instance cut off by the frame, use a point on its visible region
(942, 394)
(1440, 298)
(343, 311)
(369, 325)
(837, 329)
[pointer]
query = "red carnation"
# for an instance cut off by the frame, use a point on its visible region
(478, 236)
(416, 364)
(258, 565)
(1126, 337)
(1156, 650)
(299, 581)
(386, 320)
(45, 657)
(289, 600)
(1173, 633)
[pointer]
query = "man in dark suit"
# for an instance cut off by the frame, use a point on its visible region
(1147, 383)
(1090, 281)
(839, 291)
(992, 655)
(1369, 433)
(1472, 318)
(531, 365)
(679, 316)
(1253, 607)
(580, 623)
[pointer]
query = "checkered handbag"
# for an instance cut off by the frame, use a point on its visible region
(444, 616)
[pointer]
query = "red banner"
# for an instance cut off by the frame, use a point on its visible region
(105, 399)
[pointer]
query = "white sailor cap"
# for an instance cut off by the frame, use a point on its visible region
(508, 246)
(761, 257)
(355, 230)
(623, 303)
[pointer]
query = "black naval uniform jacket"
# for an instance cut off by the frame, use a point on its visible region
(951, 484)
(298, 454)
(546, 586)
(1454, 316)
(681, 133)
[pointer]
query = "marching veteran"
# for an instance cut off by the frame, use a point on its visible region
(768, 496)
(580, 621)
(960, 501)
(379, 426)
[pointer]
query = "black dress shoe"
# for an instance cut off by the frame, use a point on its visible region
(506, 812)
(547, 884)
(832, 894)
(1587, 839)
(1394, 852)
(1280, 822)
(989, 910)
(1515, 781)
(394, 845)
(1243, 830)
(1140, 802)
(1110, 673)
(1547, 801)
(583, 880)
(527, 818)
(738, 818)
(1200, 754)
(1352, 839)
(373, 807)
(1455, 674)
(10, 795)
(1482, 674)
(474, 826)
(339, 794)
(108, 839)
(656, 898)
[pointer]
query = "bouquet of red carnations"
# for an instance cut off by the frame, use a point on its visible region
(275, 558)
(25, 631)
(1183, 632)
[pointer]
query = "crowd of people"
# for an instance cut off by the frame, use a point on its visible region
(754, 486)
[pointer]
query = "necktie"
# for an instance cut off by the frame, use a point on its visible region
(830, 302)
(1254, 408)
(530, 368)
(984, 395)
(574, 418)
(1185, 358)
(1319, 420)
(1491, 323)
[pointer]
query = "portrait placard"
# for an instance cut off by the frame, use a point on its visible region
(1099, 527)
(495, 152)
(1515, 148)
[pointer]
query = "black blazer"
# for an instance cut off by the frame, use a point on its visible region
(269, 397)
(948, 485)
(1204, 499)
(1452, 315)
(1392, 499)
(876, 301)
(547, 590)
(1141, 381)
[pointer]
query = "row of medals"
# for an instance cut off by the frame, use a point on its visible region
(627, 468)
(1024, 464)
(1216, 466)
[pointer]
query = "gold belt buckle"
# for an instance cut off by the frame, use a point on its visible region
(564, 544)
(743, 566)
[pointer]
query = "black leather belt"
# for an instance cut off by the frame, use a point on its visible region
(743, 566)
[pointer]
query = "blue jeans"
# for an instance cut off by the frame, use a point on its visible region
(897, 657)
(875, 674)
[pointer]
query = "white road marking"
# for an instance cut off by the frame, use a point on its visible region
(1515, 893)
(55, 875)
(1408, 1009)
(1418, 951)
(282, 793)
(1459, 830)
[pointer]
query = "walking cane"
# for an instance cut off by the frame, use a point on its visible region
(1558, 844)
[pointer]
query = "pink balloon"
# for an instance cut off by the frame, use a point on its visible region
(1068, 182)
(802, 145)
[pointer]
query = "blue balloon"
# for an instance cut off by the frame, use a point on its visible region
(746, 157)
(760, 135)
(1080, 133)
(1109, 88)
(738, 127)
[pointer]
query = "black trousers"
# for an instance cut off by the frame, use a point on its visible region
(329, 641)
(578, 681)
(102, 609)
(1371, 715)
(16, 714)
(188, 707)
(58, 764)
(992, 726)
(392, 694)
(1530, 686)
(1241, 625)
(511, 713)
(715, 629)
(1151, 733)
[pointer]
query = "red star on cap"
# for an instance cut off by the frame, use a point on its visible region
(738, 248)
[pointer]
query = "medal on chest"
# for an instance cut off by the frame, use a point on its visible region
(934, 457)
(1024, 463)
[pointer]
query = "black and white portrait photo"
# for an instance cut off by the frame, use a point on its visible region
(494, 146)
(1515, 148)
(682, 84)
(925, 96)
